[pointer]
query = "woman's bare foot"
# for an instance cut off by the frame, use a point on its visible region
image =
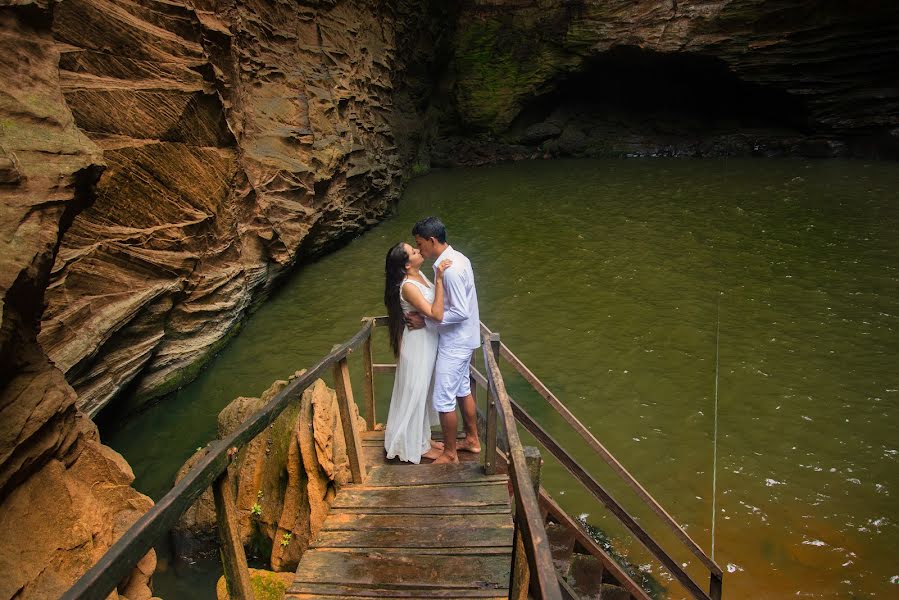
(436, 444)
(445, 458)
(432, 454)
(468, 445)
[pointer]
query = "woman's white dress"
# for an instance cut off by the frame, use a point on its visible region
(408, 431)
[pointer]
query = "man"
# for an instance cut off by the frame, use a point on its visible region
(459, 334)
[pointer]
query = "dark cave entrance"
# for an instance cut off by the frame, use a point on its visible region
(641, 94)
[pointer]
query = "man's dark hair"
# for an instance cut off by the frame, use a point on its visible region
(430, 227)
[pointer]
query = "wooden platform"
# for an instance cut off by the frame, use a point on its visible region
(412, 531)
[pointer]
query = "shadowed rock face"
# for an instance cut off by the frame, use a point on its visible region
(604, 71)
(239, 137)
(64, 498)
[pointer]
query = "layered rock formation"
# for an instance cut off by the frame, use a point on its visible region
(64, 498)
(240, 137)
(285, 479)
(678, 78)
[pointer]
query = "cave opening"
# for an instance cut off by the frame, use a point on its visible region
(636, 91)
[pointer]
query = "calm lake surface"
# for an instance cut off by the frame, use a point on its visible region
(608, 277)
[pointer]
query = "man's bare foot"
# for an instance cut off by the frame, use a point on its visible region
(436, 444)
(468, 445)
(432, 454)
(445, 458)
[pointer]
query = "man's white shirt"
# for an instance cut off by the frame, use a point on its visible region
(460, 329)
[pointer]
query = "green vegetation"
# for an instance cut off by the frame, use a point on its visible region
(501, 62)
(285, 539)
(268, 586)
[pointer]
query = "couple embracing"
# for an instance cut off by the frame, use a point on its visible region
(433, 329)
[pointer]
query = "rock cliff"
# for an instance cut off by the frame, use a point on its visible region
(239, 138)
(64, 498)
(161, 164)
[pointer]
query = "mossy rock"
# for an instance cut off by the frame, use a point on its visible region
(267, 585)
(500, 63)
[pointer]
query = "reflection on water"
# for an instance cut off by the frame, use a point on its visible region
(604, 277)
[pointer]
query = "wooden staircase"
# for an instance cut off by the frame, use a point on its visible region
(426, 531)
(412, 531)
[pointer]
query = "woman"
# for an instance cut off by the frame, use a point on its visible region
(408, 431)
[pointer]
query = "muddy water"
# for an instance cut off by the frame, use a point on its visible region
(610, 280)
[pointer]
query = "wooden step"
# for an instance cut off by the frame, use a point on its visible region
(442, 496)
(355, 521)
(428, 474)
(407, 575)
(375, 455)
(459, 536)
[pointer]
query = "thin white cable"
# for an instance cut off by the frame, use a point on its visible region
(715, 436)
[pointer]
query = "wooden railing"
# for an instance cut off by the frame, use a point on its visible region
(530, 544)
(532, 569)
(212, 469)
(597, 490)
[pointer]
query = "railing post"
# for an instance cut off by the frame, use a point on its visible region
(521, 573)
(344, 390)
(370, 417)
(715, 586)
(234, 560)
(490, 450)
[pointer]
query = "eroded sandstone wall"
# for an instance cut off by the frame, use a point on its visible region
(240, 138)
(64, 498)
(161, 165)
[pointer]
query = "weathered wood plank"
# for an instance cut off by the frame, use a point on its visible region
(521, 572)
(400, 571)
(344, 389)
(544, 583)
(492, 493)
(444, 537)
(375, 455)
(377, 437)
(492, 421)
(428, 510)
(426, 486)
(335, 591)
(475, 551)
(369, 383)
(429, 475)
(350, 520)
(341, 521)
(234, 561)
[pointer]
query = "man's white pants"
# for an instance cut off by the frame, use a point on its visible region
(451, 381)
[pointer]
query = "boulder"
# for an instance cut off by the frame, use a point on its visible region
(539, 132)
(285, 479)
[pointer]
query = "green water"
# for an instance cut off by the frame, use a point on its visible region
(607, 278)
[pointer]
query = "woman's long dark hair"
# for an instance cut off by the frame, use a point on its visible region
(394, 273)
